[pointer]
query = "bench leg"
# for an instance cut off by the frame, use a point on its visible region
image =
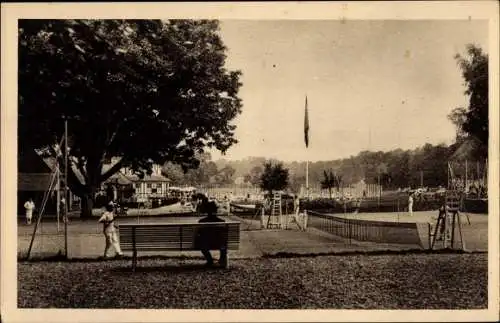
(134, 260)
(223, 258)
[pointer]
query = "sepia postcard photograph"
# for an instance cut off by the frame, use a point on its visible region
(244, 162)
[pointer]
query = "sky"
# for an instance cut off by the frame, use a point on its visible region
(370, 85)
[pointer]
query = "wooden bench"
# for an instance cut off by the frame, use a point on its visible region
(178, 237)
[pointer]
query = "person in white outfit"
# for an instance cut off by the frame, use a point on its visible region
(296, 212)
(29, 206)
(410, 204)
(109, 230)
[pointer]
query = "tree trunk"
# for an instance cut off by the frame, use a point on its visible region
(330, 192)
(87, 205)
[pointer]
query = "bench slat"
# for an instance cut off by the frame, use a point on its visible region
(178, 236)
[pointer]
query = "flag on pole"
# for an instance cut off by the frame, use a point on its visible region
(306, 126)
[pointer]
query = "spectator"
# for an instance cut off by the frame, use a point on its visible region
(109, 230)
(29, 206)
(410, 203)
(211, 209)
(227, 205)
(296, 205)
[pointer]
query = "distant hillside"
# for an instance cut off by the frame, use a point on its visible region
(396, 168)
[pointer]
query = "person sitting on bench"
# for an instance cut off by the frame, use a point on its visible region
(209, 235)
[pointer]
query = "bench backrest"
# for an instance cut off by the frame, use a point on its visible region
(179, 236)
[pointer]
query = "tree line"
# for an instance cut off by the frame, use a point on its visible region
(426, 165)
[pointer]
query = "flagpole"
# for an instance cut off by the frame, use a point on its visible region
(306, 139)
(307, 178)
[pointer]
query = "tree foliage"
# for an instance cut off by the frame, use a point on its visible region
(274, 177)
(473, 120)
(206, 173)
(253, 177)
(330, 180)
(148, 91)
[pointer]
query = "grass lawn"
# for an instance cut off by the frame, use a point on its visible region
(411, 281)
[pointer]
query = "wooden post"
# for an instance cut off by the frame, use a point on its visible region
(460, 232)
(379, 190)
(448, 175)
(262, 221)
(65, 188)
(453, 228)
(134, 254)
(466, 185)
(445, 231)
(429, 230)
(58, 207)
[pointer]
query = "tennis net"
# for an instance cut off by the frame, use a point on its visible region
(367, 230)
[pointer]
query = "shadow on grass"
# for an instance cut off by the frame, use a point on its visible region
(61, 258)
(372, 253)
(168, 268)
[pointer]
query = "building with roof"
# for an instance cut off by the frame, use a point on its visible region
(143, 188)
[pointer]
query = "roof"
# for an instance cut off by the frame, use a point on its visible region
(119, 178)
(148, 178)
(134, 178)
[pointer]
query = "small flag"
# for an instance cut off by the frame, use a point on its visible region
(306, 126)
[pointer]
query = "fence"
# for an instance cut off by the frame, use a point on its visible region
(237, 192)
(364, 230)
(355, 191)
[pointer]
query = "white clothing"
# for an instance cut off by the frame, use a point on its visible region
(110, 234)
(296, 206)
(410, 205)
(112, 243)
(29, 206)
(107, 218)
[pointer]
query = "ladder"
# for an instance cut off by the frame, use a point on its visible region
(274, 220)
(448, 221)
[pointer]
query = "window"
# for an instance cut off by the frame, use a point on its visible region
(153, 190)
(148, 185)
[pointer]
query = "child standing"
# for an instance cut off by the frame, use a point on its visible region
(410, 204)
(29, 206)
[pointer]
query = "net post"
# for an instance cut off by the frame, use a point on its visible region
(429, 229)
(305, 220)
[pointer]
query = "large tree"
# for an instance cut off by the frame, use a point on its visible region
(473, 120)
(147, 91)
(274, 177)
